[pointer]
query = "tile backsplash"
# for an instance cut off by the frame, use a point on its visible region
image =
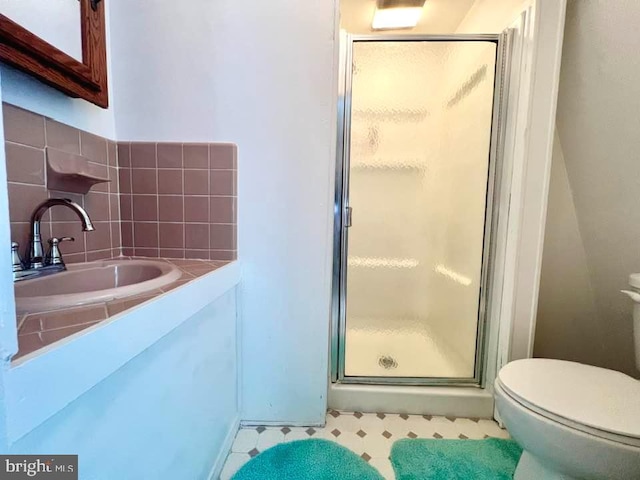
(169, 200)
(26, 137)
(178, 200)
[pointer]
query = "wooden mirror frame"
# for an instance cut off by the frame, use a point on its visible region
(87, 79)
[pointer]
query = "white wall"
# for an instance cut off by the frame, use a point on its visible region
(57, 22)
(260, 75)
(165, 69)
(598, 124)
(568, 323)
(275, 97)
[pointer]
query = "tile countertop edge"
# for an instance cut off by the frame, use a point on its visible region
(40, 387)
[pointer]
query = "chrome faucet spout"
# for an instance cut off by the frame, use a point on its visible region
(40, 210)
(35, 252)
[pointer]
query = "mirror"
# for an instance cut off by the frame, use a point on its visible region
(57, 22)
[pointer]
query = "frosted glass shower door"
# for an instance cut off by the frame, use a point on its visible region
(418, 170)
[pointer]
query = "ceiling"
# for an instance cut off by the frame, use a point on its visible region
(439, 17)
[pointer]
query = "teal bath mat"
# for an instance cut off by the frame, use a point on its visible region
(312, 459)
(489, 459)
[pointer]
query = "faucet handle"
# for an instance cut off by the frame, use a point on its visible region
(58, 240)
(54, 256)
(16, 261)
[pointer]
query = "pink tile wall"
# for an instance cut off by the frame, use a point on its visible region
(169, 200)
(26, 136)
(178, 200)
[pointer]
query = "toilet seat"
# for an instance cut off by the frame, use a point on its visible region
(600, 402)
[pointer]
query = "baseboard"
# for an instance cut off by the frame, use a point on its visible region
(281, 423)
(216, 469)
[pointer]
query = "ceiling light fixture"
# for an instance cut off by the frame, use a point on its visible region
(397, 14)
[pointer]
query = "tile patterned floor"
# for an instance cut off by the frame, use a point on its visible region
(370, 435)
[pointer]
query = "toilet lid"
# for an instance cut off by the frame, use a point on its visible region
(602, 399)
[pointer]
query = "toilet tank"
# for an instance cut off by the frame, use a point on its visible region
(634, 282)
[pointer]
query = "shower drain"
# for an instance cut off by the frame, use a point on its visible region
(387, 362)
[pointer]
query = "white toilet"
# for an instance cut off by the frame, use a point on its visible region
(573, 421)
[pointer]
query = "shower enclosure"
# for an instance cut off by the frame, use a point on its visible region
(416, 177)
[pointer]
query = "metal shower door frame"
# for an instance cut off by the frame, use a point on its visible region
(342, 211)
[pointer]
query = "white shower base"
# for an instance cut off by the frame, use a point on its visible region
(418, 353)
(400, 348)
(470, 402)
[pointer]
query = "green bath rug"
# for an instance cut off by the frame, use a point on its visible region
(489, 459)
(312, 459)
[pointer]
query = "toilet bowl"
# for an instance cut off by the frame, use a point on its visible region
(573, 421)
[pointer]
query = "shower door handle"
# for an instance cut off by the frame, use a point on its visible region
(348, 217)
